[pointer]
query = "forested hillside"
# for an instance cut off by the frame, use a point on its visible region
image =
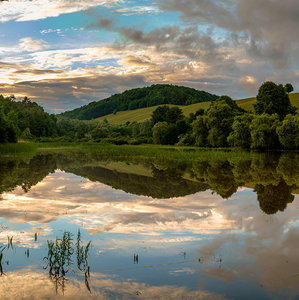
(25, 119)
(139, 98)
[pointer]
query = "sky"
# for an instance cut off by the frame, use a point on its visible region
(64, 54)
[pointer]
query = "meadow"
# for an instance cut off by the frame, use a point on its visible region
(141, 114)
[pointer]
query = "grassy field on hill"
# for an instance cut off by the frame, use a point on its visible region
(139, 115)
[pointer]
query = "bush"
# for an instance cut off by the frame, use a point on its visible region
(288, 132)
(135, 142)
(115, 141)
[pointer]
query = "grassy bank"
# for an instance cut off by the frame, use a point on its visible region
(17, 148)
(156, 152)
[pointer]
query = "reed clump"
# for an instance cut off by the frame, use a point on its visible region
(17, 148)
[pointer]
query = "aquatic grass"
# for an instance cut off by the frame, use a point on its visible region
(9, 242)
(17, 148)
(59, 259)
(161, 152)
(150, 152)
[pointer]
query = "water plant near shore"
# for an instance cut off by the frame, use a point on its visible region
(59, 259)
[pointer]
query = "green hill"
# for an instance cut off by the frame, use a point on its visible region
(140, 98)
(142, 114)
(248, 102)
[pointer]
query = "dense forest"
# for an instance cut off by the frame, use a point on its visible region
(24, 119)
(139, 98)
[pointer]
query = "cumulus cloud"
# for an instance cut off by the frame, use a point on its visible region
(249, 84)
(30, 45)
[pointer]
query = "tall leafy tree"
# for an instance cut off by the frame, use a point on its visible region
(158, 132)
(200, 131)
(8, 132)
(288, 132)
(220, 117)
(289, 88)
(166, 114)
(263, 132)
(273, 99)
(240, 136)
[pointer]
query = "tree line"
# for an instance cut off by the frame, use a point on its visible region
(273, 124)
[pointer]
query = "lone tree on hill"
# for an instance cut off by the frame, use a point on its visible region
(273, 99)
(289, 88)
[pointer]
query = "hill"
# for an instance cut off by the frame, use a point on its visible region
(139, 115)
(248, 102)
(140, 98)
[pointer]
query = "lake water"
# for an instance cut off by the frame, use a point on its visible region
(74, 227)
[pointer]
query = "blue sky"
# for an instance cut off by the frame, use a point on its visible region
(66, 53)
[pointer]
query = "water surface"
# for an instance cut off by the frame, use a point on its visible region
(206, 229)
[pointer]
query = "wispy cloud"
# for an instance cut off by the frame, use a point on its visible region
(22, 10)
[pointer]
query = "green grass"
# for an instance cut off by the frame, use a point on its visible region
(247, 103)
(294, 97)
(141, 114)
(17, 148)
(154, 152)
(121, 153)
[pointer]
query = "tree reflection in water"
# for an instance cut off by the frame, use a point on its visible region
(60, 261)
(274, 176)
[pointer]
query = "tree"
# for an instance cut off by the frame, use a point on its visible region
(100, 133)
(263, 132)
(273, 99)
(273, 198)
(200, 131)
(219, 122)
(159, 114)
(145, 126)
(158, 132)
(167, 114)
(8, 132)
(289, 88)
(170, 136)
(26, 135)
(173, 115)
(288, 132)
(240, 136)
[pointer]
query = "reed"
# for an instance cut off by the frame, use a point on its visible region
(59, 259)
(160, 152)
(17, 148)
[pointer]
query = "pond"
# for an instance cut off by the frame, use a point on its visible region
(77, 227)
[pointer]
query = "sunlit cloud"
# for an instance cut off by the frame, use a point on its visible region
(29, 281)
(211, 47)
(21, 10)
